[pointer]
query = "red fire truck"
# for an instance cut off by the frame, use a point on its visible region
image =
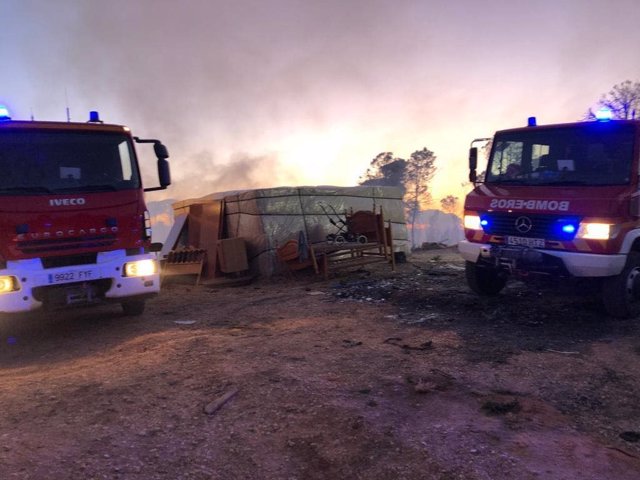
(558, 200)
(74, 228)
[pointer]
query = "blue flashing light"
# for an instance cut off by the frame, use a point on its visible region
(4, 113)
(484, 222)
(567, 228)
(604, 114)
(532, 122)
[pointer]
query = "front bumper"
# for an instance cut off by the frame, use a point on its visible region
(78, 284)
(576, 264)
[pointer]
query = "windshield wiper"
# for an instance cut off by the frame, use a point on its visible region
(567, 182)
(101, 187)
(510, 181)
(88, 188)
(32, 189)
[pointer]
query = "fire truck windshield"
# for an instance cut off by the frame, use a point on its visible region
(41, 162)
(587, 154)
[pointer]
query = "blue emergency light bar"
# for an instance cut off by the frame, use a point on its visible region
(4, 113)
(604, 114)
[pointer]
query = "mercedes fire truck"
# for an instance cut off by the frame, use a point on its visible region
(74, 228)
(562, 201)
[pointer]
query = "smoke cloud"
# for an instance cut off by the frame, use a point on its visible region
(254, 93)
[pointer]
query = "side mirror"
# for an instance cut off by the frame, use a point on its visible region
(473, 164)
(473, 158)
(164, 172)
(160, 150)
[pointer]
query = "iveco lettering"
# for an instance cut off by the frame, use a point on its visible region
(56, 202)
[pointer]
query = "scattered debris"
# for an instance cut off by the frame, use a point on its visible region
(501, 408)
(451, 266)
(217, 404)
(392, 340)
(437, 380)
(184, 322)
(428, 345)
(423, 319)
(624, 452)
(632, 437)
(425, 386)
(561, 352)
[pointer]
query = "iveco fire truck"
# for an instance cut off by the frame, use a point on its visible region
(558, 200)
(74, 228)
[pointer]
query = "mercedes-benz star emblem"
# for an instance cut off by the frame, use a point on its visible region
(523, 224)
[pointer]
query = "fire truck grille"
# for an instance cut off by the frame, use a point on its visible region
(70, 260)
(549, 227)
(58, 245)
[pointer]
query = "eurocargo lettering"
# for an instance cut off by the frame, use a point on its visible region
(558, 202)
(74, 228)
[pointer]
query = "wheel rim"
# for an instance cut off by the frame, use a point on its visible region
(632, 289)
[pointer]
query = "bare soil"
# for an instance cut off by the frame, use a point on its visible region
(371, 375)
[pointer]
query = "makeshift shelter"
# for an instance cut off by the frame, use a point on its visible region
(259, 221)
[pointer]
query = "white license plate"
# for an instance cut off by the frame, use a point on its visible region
(526, 242)
(81, 275)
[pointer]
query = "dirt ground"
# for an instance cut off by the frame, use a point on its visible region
(370, 375)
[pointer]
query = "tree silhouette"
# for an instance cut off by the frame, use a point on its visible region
(385, 170)
(420, 171)
(449, 204)
(413, 175)
(623, 100)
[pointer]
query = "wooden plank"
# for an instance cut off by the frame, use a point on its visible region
(232, 254)
(183, 262)
(205, 229)
(218, 403)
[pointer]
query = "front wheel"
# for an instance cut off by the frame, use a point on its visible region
(621, 294)
(484, 280)
(132, 308)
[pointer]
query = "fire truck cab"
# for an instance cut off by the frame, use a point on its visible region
(558, 200)
(74, 228)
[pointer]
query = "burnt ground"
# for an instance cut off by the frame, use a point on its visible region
(370, 375)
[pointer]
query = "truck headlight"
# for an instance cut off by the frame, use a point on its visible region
(140, 268)
(8, 283)
(596, 231)
(472, 222)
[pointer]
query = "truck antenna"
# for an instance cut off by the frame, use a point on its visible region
(66, 98)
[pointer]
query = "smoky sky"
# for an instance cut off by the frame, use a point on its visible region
(263, 93)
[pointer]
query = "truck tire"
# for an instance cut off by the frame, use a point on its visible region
(484, 280)
(621, 294)
(132, 308)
